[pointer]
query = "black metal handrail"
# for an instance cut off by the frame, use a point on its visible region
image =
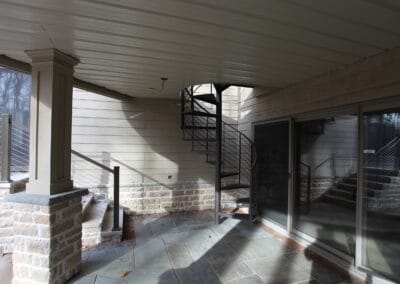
(230, 149)
(308, 167)
(115, 172)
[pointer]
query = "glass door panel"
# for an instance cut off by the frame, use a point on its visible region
(326, 180)
(272, 144)
(381, 183)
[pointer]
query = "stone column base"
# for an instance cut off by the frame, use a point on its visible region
(47, 237)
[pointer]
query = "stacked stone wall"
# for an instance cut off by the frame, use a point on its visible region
(47, 241)
(6, 223)
(155, 198)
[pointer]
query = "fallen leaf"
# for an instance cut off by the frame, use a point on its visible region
(122, 274)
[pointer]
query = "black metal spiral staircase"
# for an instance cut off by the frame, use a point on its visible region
(232, 152)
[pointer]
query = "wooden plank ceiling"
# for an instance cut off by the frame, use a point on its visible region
(128, 45)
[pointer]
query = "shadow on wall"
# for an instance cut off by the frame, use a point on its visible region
(144, 138)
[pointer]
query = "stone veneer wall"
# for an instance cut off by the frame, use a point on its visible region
(155, 198)
(47, 241)
(6, 223)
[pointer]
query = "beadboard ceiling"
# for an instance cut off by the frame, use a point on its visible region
(128, 45)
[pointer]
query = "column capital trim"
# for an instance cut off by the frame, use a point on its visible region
(51, 55)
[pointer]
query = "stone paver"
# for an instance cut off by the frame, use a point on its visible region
(5, 269)
(189, 248)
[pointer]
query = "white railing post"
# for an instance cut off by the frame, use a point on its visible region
(5, 148)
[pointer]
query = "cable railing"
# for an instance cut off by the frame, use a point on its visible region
(14, 151)
(388, 157)
(19, 149)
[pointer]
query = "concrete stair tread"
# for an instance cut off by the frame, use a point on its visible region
(108, 219)
(107, 232)
(86, 201)
(95, 214)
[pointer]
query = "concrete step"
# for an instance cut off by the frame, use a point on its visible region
(93, 222)
(86, 201)
(107, 233)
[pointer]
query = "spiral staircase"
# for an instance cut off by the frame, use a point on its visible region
(229, 150)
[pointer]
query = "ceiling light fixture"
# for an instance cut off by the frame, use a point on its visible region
(163, 81)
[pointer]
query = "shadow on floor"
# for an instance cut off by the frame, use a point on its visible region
(190, 248)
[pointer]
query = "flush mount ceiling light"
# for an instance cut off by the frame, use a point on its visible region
(163, 81)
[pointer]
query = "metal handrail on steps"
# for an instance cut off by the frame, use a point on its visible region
(115, 172)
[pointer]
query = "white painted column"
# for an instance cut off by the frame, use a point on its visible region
(51, 119)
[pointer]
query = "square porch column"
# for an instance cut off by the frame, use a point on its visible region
(47, 217)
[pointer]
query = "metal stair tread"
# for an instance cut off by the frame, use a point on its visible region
(379, 171)
(388, 179)
(229, 174)
(341, 191)
(208, 98)
(199, 127)
(235, 186)
(339, 198)
(241, 200)
(203, 151)
(347, 184)
(205, 139)
(200, 113)
(370, 185)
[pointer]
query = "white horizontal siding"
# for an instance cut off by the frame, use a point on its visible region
(142, 136)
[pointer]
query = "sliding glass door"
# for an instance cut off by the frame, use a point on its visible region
(341, 185)
(381, 184)
(272, 179)
(326, 180)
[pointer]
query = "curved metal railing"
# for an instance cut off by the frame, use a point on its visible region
(238, 151)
